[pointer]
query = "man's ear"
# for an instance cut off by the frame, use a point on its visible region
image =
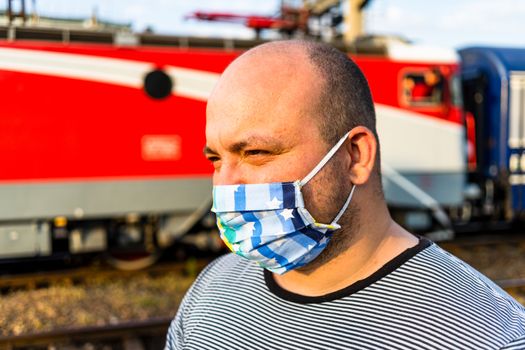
(362, 148)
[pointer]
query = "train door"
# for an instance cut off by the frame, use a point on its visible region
(476, 106)
(474, 94)
(516, 140)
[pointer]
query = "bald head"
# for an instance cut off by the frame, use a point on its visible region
(334, 89)
(273, 78)
(277, 81)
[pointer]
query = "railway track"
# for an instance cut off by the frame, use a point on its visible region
(40, 307)
(44, 279)
(134, 335)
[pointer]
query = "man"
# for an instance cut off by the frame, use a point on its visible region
(319, 263)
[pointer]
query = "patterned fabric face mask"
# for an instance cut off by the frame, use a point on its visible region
(269, 224)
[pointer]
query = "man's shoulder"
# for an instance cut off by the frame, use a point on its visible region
(227, 263)
(219, 265)
(224, 269)
(455, 285)
(438, 267)
(434, 288)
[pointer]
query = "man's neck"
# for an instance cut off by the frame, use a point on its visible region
(369, 251)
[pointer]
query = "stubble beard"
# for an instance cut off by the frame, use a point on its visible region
(327, 204)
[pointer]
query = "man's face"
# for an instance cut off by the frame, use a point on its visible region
(260, 129)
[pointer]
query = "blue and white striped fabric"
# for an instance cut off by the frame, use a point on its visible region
(268, 223)
(269, 196)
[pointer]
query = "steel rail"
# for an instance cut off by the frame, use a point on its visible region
(75, 276)
(126, 330)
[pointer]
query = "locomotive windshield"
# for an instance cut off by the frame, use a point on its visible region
(423, 88)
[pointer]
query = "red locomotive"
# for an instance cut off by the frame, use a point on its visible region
(101, 145)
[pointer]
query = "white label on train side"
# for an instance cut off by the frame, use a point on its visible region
(161, 147)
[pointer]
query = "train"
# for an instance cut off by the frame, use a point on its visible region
(101, 139)
(493, 88)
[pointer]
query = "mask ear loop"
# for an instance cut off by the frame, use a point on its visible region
(323, 161)
(343, 209)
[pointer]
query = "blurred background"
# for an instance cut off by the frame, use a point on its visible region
(444, 23)
(105, 195)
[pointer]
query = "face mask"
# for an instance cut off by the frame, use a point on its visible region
(269, 224)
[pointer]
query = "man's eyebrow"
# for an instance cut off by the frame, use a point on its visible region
(252, 141)
(270, 142)
(208, 150)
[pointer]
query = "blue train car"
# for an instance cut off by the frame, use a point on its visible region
(494, 95)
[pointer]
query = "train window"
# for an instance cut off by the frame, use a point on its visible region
(423, 88)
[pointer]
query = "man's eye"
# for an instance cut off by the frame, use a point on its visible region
(256, 152)
(213, 159)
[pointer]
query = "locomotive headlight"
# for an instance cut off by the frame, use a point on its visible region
(60, 221)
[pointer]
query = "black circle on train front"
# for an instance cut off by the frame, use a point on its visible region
(158, 84)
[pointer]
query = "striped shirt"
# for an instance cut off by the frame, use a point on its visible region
(424, 298)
